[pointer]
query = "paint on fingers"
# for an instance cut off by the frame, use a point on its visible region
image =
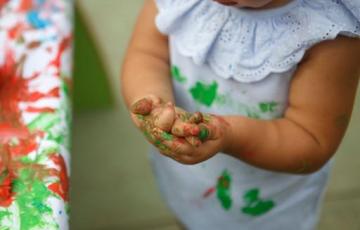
(142, 107)
(193, 141)
(161, 135)
(196, 118)
(204, 133)
(183, 129)
(164, 117)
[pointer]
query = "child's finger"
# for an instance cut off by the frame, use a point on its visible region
(196, 118)
(137, 119)
(142, 106)
(207, 132)
(145, 105)
(184, 129)
(178, 146)
(182, 114)
(164, 117)
(194, 141)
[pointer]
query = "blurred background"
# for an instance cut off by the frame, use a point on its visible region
(112, 185)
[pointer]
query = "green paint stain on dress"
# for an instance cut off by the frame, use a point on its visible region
(204, 93)
(176, 74)
(255, 206)
(223, 190)
(266, 107)
(31, 196)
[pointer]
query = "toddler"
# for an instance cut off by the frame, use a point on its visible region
(259, 99)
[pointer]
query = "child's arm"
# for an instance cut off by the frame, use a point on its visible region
(321, 99)
(145, 79)
(146, 67)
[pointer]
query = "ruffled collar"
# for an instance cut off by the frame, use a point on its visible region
(248, 45)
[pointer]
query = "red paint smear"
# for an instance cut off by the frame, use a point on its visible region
(6, 195)
(61, 188)
(65, 43)
(37, 95)
(2, 3)
(13, 90)
(208, 192)
(25, 5)
(7, 131)
(17, 30)
(31, 109)
(25, 147)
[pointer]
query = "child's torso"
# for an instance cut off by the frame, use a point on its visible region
(232, 193)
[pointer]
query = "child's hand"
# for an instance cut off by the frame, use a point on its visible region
(214, 132)
(151, 112)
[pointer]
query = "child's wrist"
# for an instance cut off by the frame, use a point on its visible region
(227, 136)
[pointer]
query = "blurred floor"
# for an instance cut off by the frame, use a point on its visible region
(112, 182)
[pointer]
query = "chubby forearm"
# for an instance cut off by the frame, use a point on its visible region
(146, 66)
(321, 99)
(144, 74)
(277, 145)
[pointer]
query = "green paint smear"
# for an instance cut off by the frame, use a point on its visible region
(223, 190)
(31, 196)
(5, 228)
(267, 107)
(203, 93)
(256, 206)
(4, 214)
(166, 136)
(39, 157)
(44, 121)
(176, 74)
(204, 133)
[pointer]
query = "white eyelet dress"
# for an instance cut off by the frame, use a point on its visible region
(226, 60)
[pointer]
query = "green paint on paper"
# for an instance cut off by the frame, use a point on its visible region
(266, 107)
(223, 190)
(44, 121)
(203, 93)
(31, 196)
(4, 214)
(256, 206)
(176, 74)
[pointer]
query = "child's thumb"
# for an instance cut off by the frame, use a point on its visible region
(164, 117)
(145, 105)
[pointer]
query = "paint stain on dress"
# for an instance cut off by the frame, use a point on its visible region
(267, 107)
(223, 190)
(177, 75)
(254, 205)
(204, 93)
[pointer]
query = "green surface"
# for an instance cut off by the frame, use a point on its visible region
(91, 87)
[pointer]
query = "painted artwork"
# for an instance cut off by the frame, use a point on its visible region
(35, 113)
